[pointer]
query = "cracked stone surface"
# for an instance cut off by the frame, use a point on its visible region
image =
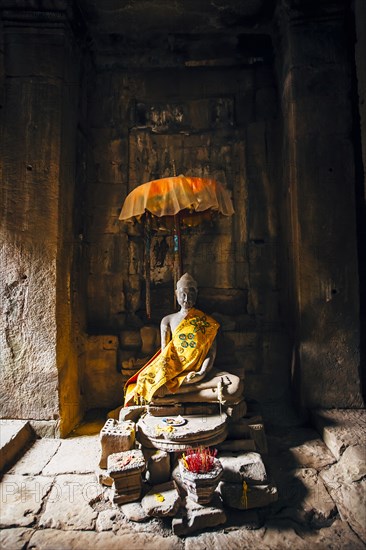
(75, 540)
(341, 428)
(67, 459)
(315, 507)
(37, 457)
(22, 498)
(15, 539)
(67, 506)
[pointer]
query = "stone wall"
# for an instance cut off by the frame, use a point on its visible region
(320, 255)
(39, 374)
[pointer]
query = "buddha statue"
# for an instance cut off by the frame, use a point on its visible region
(182, 370)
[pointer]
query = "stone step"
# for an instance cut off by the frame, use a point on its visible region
(340, 428)
(14, 436)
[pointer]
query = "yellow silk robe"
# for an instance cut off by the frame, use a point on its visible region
(185, 352)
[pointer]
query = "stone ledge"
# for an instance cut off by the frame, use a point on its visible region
(340, 428)
(14, 436)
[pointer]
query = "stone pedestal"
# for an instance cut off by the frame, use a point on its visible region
(152, 432)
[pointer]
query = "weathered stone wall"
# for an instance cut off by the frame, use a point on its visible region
(318, 196)
(39, 367)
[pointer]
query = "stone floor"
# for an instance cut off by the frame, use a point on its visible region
(50, 498)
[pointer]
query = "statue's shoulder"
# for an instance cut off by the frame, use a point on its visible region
(166, 321)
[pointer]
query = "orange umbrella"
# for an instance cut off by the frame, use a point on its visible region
(168, 196)
(179, 198)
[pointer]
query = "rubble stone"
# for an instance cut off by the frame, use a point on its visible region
(239, 429)
(351, 466)
(115, 437)
(197, 517)
(244, 497)
(134, 512)
(162, 500)
(341, 428)
(104, 520)
(157, 466)
(125, 469)
(103, 477)
(247, 467)
(131, 413)
(351, 503)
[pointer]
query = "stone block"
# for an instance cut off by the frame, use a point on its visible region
(105, 520)
(67, 459)
(157, 466)
(126, 488)
(197, 517)
(316, 503)
(15, 538)
(244, 497)
(163, 500)
(130, 339)
(102, 383)
(125, 462)
(133, 511)
(257, 433)
(241, 467)
(149, 339)
(351, 466)
(75, 490)
(350, 499)
(166, 410)
(100, 342)
(103, 478)
(201, 409)
(132, 413)
(341, 428)
(15, 435)
(22, 499)
(235, 410)
(115, 437)
(302, 447)
(240, 340)
(239, 429)
(36, 457)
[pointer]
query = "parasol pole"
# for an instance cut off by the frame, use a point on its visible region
(177, 237)
(147, 265)
(178, 244)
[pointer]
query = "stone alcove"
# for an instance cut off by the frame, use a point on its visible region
(92, 108)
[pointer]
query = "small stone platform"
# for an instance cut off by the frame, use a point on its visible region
(153, 432)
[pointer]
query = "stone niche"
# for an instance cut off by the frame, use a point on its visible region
(201, 121)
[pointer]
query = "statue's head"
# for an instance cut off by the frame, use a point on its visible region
(186, 291)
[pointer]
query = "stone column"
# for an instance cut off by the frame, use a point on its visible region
(39, 374)
(319, 204)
